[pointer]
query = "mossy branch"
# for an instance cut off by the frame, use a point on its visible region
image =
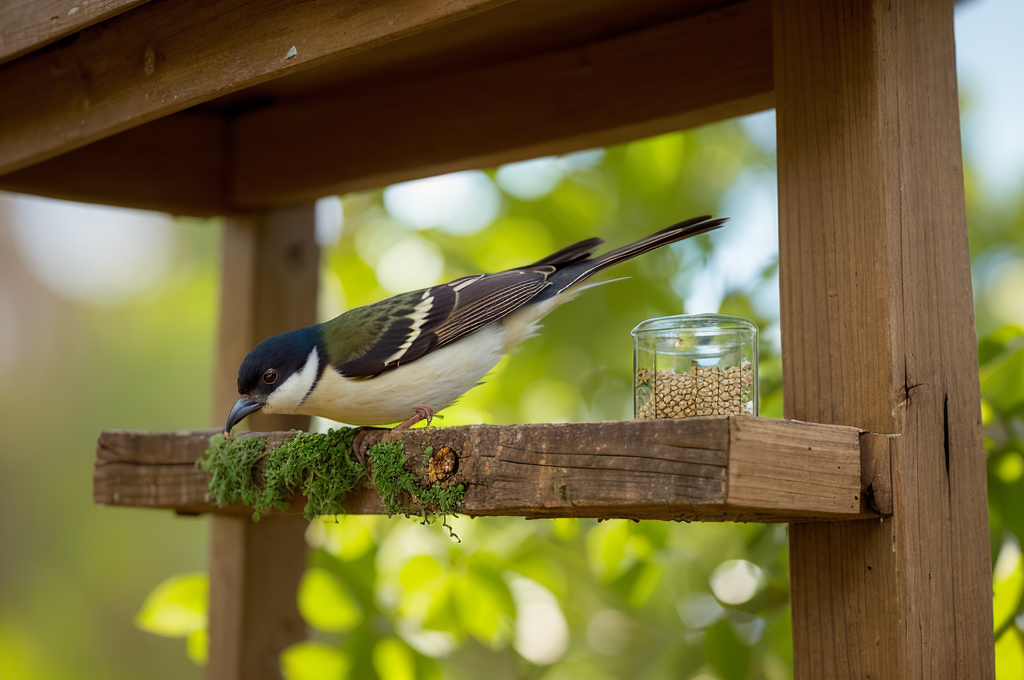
(322, 468)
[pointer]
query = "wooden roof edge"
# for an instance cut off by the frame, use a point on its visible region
(28, 25)
(198, 162)
(163, 57)
(667, 77)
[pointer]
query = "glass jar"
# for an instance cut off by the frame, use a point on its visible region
(694, 365)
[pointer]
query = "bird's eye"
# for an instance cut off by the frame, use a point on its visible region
(270, 376)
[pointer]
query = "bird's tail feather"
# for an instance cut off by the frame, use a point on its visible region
(569, 254)
(677, 232)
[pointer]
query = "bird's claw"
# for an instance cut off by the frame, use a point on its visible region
(367, 438)
(422, 413)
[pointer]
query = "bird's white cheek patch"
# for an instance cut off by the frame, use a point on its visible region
(289, 395)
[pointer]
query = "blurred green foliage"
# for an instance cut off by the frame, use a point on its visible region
(177, 608)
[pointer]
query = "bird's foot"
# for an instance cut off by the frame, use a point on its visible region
(422, 413)
(366, 438)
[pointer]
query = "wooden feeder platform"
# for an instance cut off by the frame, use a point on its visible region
(254, 108)
(736, 468)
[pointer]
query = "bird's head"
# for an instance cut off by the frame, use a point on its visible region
(278, 374)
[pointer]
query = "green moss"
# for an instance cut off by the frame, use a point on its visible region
(230, 464)
(393, 481)
(321, 467)
(318, 465)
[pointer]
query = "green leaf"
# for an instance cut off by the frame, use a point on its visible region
(176, 607)
(1010, 655)
(565, 528)
(325, 603)
(606, 547)
(579, 206)
(995, 343)
(514, 242)
(1007, 584)
(654, 164)
(646, 583)
(347, 537)
(728, 657)
(545, 571)
(484, 605)
(1002, 383)
(1010, 467)
(314, 661)
(427, 594)
(393, 660)
(197, 646)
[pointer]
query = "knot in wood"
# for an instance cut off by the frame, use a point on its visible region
(442, 464)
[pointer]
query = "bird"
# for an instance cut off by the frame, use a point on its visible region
(403, 359)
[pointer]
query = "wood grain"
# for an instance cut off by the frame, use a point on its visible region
(821, 465)
(716, 469)
(27, 25)
(177, 164)
(255, 570)
(878, 333)
(668, 77)
(270, 269)
(167, 56)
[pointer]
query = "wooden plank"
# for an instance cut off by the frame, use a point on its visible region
(669, 77)
(270, 266)
(820, 465)
(167, 56)
(255, 570)
(176, 164)
(716, 469)
(878, 333)
(27, 25)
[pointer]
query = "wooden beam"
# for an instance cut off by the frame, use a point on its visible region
(878, 333)
(176, 164)
(255, 571)
(270, 266)
(739, 468)
(670, 77)
(27, 25)
(167, 56)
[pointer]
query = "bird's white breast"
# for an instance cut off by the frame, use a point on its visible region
(436, 380)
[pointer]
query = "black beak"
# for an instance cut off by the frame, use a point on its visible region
(240, 410)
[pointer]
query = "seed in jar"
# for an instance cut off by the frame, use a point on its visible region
(699, 391)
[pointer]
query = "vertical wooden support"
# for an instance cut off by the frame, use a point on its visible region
(270, 272)
(878, 332)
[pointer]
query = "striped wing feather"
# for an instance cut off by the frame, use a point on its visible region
(437, 316)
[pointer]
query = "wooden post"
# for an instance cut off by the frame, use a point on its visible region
(270, 270)
(878, 333)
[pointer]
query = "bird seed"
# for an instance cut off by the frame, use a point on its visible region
(697, 392)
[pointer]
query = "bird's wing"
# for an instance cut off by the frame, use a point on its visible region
(406, 327)
(370, 340)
